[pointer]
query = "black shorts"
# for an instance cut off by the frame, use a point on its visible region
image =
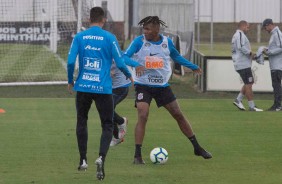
(162, 95)
(246, 75)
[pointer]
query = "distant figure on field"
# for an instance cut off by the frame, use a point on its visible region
(242, 58)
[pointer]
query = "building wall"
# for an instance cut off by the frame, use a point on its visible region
(254, 11)
(37, 10)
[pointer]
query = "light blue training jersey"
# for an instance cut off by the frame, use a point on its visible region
(155, 57)
(96, 48)
(118, 78)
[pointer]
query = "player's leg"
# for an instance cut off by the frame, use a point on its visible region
(83, 104)
(143, 113)
(238, 101)
(165, 97)
(276, 84)
(184, 125)
(142, 103)
(248, 79)
(119, 94)
(105, 108)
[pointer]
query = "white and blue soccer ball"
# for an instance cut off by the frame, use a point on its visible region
(159, 155)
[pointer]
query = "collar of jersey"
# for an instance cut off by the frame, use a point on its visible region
(157, 42)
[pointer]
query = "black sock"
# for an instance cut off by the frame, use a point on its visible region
(115, 131)
(194, 142)
(138, 150)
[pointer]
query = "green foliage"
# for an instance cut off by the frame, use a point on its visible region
(38, 144)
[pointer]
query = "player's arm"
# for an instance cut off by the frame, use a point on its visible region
(117, 55)
(176, 57)
(134, 47)
(139, 69)
(276, 50)
(241, 45)
(71, 63)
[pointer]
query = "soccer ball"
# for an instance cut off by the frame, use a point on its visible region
(159, 155)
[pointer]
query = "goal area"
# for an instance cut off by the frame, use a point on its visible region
(35, 36)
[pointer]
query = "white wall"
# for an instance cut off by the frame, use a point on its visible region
(221, 76)
(254, 11)
(115, 7)
(22, 10)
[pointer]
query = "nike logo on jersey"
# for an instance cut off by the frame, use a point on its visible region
(153, 54)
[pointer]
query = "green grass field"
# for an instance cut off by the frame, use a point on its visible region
(38, 144)
(221, 49)
(30, 63)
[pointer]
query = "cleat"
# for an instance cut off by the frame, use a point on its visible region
(115, 141)
(138, 161)
(274, 108)
(122, 128)
(201, 152)
(239, 104)
(82, 165)
(255, 109)
(100, 174)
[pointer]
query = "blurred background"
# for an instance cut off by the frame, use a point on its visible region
(35, 36)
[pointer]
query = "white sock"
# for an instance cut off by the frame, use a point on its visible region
(240, 97)
(251, 104)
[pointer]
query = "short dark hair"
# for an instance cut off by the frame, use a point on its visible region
(242, 23)
(97, 14)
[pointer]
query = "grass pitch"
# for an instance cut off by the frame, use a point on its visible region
(38, 144)
(26, 63)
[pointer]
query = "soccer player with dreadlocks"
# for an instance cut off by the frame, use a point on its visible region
(154, 50)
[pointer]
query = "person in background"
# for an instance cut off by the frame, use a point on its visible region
(120, 90)
(96, 49)
(242, 59)
(153, 51)
(274, 53)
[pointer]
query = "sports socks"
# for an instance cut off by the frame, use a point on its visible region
(138, 150)
(194, 142)
(251, 104)
(240, 97)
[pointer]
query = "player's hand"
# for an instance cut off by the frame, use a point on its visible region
(198, 71)
(70, 86)
(139, 70)
(131, 79)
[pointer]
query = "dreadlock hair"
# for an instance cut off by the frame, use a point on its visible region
(152, 19)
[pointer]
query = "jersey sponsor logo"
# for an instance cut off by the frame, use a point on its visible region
(92, 37)
(92, 87)
(152, 62)
(91, 77)
(153, 54)
(155, 79)
(89, 47)
(92, 63)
